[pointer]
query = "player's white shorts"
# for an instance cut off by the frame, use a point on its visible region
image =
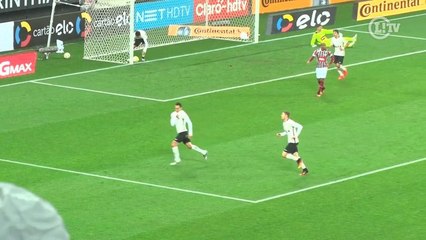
(321, 72)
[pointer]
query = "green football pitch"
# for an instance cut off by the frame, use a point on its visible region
(94, 139)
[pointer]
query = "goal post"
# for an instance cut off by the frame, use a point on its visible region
(110, 33)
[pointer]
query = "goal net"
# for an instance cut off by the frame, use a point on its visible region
(110, 33)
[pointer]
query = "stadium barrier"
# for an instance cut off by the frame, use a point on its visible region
(34, 32)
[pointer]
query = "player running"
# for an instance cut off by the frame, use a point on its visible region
(141, 41)
(180, 119)
(321, 54)
(339, 53)
(320, 36)
(292, 129)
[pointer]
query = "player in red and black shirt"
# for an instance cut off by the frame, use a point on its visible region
(321, 54)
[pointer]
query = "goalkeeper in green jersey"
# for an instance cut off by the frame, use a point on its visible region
(320, 36)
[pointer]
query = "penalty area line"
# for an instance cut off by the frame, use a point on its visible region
(127, 181)
(97, 91)
(290, 77)
(341, 180)
(390, 35)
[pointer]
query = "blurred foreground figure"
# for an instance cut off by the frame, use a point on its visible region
(25, 216)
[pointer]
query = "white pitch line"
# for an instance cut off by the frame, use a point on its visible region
(391, 35)
(97, 91)
(217, 195)
(289, 77)
(128, 181)
(340, 180)
(192, 54)
(223, 89)
(390, 19)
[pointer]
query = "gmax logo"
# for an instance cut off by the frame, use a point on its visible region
(293, 21)
(23, 28)
(7, 69)
(80, 21)
(380, 28)
(17, 64)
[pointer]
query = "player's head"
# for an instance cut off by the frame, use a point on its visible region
(336, 33)
(137, 34)
(319, 28)
(178, 106)
(323, 46)
(285, 116)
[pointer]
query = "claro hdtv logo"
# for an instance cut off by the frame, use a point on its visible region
(300, 20)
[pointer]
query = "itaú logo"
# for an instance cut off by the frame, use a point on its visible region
(23, 26)
(80, 20)
(285, 23)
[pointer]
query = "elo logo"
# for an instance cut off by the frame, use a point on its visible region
(84, 16)
(301, 20)
(282, 27)
(24, 25)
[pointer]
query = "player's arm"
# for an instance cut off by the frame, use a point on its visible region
(331, 59)
(312, 57)
(281, 134)
(327, 31)
(298, 128)
(314, 40)
(189, 122)
(173, 118)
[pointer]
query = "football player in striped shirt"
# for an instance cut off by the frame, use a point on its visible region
(321, 54)
(320, 36)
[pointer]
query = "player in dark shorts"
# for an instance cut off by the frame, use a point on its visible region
(338, 59)
(292, 130)
(291, 148)
(183, 137)
(180, 119)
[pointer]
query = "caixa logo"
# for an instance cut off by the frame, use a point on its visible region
(80, 26)
(301, 20)
(23, 34)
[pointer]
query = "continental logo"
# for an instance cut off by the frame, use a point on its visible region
(266, 3)
(380, 8)
(235, 32)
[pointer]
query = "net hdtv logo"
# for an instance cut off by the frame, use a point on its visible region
(18, 64)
